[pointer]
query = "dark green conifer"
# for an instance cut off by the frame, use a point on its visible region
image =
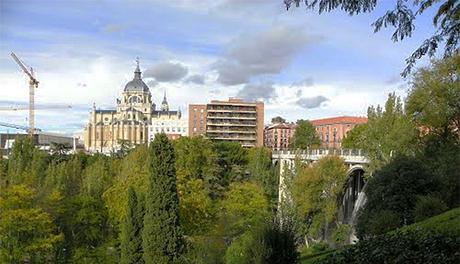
(162, 235)
(131, 237)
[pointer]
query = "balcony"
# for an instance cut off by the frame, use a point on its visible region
(232, 117)
(232, 110)
(234, 124)
(231, 131)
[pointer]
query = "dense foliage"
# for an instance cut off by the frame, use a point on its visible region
(315, 192)
(304, 136)
(90, 209)
(162, 239)
(400, 248)
(398, 185)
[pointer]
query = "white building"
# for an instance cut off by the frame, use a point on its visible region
(169, 122)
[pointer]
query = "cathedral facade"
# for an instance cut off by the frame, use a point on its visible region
(129, 123)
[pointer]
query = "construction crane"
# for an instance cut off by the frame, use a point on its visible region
(13, 108)
(33, 84)
(3, 124)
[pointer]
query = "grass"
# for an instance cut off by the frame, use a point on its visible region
(447, 223)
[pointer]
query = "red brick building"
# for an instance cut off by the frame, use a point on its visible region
(277, 136)
(332, 130)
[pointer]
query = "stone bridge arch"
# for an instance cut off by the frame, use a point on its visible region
(352, 192)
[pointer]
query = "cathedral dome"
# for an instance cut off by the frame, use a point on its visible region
(136, 84)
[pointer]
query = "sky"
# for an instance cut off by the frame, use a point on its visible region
(301, 64)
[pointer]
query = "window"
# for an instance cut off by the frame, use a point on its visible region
(134, 99)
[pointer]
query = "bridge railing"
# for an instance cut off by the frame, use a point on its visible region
(320, 152)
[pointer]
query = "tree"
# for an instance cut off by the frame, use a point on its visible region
(131, 237)
(244, 207)
(434, 104)
(131, 171)
(197, 159)
(434, 99)
(232, 160)
(389, 132)
(315, 192)
(304, 136)
(20, 160)
(162, 234)
(27, 232)
(263, 173)
(392, 193)
(402, 18)
(59, 151)
(278, 119)
(84, 222)
(98, 176)
(355, 138)
(272, 242)
(196, 208)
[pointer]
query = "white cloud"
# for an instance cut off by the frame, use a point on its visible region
(267, 52)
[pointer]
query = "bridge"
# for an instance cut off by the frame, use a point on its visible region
(353, 158)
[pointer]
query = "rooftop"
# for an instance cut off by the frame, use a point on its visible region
(339, 120)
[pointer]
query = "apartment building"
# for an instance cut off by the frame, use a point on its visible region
(196, 119)
(233, 120)
(277, 136)
(331, 131)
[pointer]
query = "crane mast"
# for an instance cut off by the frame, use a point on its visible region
(33, 84)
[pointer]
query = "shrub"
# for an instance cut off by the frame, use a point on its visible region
(400, 247)
(392, 194)
(427, 206)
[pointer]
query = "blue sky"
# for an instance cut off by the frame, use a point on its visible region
(303, 65)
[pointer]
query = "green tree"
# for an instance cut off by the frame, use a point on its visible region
(272, 242)
(132, 171)
(19, 161)
(3, 173)
(402, 17)
(84, 222)
(66, 177)
(162, 234)
(244, 207)
(434, 99)
(196, 208)
(98, 176)
(232, 159)
(196, 159)
(315, 191)
(27, 232)
(398, 184)
(389, 132)
(304, 136)
(131, 237)
(278, 119)
(355, 138)
(262, 171)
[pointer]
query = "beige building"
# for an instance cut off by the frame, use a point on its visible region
(233, 120)
(129, 122)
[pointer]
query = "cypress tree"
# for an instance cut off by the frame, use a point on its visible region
(131, 240)
(162, 235)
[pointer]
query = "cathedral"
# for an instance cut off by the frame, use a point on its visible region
(129, 122)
